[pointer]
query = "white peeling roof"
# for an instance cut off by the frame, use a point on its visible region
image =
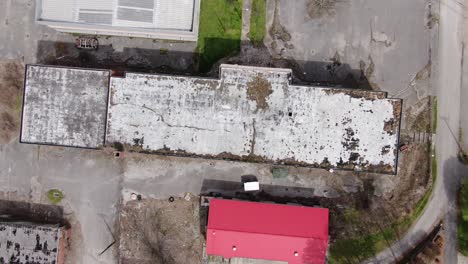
(21, 243)
(155, 14)
(251, 114)
(224, 119)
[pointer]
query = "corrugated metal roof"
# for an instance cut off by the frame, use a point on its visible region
(157, 14)
(57, 10)
(295, 234)
(174, 14)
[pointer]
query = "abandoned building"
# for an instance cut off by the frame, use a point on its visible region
(30, 243)
(249, 114)
(253, 230)
(161, 19)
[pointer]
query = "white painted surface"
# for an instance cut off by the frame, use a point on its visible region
(251, 186)
(24, 239)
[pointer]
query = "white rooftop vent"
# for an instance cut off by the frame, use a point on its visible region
(251, 186)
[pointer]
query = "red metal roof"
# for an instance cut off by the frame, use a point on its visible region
(294, 234)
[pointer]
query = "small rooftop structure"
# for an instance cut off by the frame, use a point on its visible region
(294, 234)
(249, 114)
(251, 186)
(29, 243)
(162, 19)
(64, 106)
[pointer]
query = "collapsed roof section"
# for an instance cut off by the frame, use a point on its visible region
(249, 114)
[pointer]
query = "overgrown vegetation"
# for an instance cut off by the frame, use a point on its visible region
(463, 219)
(220, 31)
(118, 146)
(462, 154)
(257, 22)
(258, 90)
(419, 116)
(11, 84)
(55, 196)
(358, 249)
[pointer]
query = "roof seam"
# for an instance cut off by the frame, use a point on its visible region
(266, 233)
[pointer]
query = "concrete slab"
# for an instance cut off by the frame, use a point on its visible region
(64, 106)
(255, 114)
(364, 35)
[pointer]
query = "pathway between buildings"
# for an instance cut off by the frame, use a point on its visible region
(246, 13)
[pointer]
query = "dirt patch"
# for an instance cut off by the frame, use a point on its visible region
(258, 90)
(418, 116)
(424, 73)
(278, 31)
(11, 89)
(160, 231)
(320, 8)
(355, 216)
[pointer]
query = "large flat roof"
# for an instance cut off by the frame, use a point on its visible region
(249, 114)
(64, 106)
(294, 234)
(166, 19)
(255, 114)
(28, 243)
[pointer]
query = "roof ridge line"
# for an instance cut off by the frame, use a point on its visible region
(264, 233)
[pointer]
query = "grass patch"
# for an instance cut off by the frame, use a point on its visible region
(55, 196)
(18, 104)
(220, 31)
(358, 249)
(434, 115)
(463, 219)
(257, 22)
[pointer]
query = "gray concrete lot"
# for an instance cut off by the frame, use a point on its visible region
(88, 179)
(176, 176)
(386, 42)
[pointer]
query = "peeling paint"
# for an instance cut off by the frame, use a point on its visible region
(28, 243)
(278, 122)
(308, 126)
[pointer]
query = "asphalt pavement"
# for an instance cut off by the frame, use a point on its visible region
(447, 79)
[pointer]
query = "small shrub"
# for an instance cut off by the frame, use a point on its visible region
(55, 196)
(118, 146)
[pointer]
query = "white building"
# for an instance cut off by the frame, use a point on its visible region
(248, 114)
(160, 19)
